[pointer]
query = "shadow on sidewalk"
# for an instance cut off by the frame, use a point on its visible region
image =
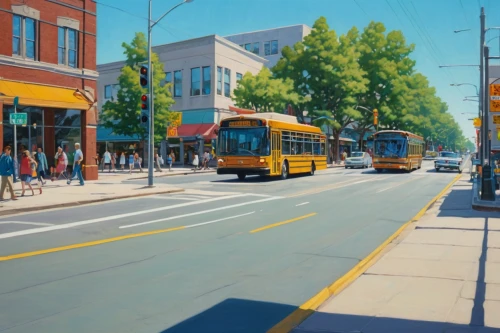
(249, 316)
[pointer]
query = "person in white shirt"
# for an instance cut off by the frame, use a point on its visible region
(107, 160)
(77, 166)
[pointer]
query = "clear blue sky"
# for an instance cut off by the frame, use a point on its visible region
(427, 23)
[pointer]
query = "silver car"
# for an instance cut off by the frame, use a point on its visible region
(358, 159)
(448, 160)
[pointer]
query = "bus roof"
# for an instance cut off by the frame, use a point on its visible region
(278, 120)
(411, 135)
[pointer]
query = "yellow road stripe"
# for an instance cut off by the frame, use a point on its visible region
(305, 310)
(87, 244)
(281, 223)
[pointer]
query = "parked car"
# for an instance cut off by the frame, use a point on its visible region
(448, 160)
(358, 159)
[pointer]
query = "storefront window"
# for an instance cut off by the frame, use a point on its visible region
(29, 136)
(70, 118)
(66, 138)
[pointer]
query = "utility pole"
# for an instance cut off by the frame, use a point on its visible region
(484, 134)
(151, 139)
(486, 102)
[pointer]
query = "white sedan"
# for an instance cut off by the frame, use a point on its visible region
(358, 159)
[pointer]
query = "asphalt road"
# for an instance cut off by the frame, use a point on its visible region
(224, 256)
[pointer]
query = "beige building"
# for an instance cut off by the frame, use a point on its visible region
(203, 72)
(269, 43)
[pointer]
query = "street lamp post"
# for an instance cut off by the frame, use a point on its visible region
(151, 138)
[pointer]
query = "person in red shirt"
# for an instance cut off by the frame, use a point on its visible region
(28, 166)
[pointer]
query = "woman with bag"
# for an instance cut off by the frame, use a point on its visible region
(28, 169)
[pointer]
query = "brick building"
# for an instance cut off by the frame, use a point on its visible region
(48, 61)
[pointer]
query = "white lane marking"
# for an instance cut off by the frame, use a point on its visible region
(187, 195)
(215, 221)
(200, 212)
(113, 217)
(29, 223)
(171, 198)
(398, 184)
(301, 204)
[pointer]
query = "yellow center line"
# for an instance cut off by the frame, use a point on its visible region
(282, 223)
(87, 244)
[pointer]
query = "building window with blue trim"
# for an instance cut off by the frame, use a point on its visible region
(219, 80)
(67, 47)
(195, 81)
(207, 80)
(178, 84)
(24, 37)
(227, 82)
(239, 76)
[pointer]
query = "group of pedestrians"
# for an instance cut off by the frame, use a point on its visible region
(34, 165)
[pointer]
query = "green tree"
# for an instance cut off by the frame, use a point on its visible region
(263, 93)
(122, 115)
(384, 58)
(324, 67)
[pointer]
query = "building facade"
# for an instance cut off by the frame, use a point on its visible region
(48, 61)
(269, 43)
(203, 72)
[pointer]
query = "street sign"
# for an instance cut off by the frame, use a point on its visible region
(18, 118)
(495, 98)
(16, 101)
(171, 131)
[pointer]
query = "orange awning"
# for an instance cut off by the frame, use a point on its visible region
(31, 94)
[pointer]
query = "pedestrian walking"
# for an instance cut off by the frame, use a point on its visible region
(62, 163)
(113, 161)
(107, 161)
(138, 162)
(40, 173)
(28, 169)
(158, 163)
(196, 161)
(169, 162)
(6, 172)
(122, 161)
(42, 165)
(77, 165)
(131, 159)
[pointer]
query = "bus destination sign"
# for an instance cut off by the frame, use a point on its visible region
(242, 123)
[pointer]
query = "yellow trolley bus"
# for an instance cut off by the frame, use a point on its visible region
(399, 150)
(269, 144)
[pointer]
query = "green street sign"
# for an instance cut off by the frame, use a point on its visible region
(18, 118)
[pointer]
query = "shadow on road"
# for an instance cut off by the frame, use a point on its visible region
(249, 316)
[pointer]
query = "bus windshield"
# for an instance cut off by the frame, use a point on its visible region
(394, 147)
(244, 141)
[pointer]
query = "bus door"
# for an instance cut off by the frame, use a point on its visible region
(275, 152)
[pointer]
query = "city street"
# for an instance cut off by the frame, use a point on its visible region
(211, 259)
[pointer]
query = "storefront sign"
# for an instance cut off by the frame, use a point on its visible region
(172, 131)
(18, 118)
(495, 98)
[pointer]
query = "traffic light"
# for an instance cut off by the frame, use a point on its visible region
(144, 120)
(375, 117)
(144, 76)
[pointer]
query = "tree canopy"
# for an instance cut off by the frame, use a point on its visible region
(342, 79)
(122, 115)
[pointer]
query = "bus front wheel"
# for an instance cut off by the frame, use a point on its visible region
(284, 170)
(242, 176)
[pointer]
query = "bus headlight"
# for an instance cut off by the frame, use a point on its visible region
(262, 160)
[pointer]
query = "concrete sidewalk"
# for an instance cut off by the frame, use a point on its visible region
(58, 194)
(442, 274)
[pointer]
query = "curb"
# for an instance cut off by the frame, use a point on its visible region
(172, 175)
(305, 310)
(81, 203)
